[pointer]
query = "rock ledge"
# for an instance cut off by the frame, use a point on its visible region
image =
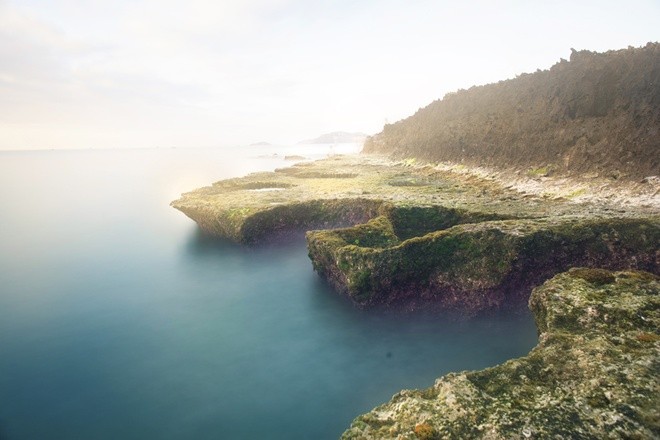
(417, 235)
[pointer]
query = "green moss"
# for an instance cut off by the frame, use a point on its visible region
(475, 259)
(361, 283)
(415, 221)
(586, 383)
(599, 277)
(376, 233)
(540, 172)
(576, 193)
(239, 213)
(306, 215)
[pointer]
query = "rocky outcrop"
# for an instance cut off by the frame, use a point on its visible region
(475, 265)
(346, 190)
(262, 207)
(593, 375)
(423, 236)
(597, 113)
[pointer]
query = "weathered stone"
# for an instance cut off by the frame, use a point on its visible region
(425, 235)
(595, 373)
(476, 266)
(348, 190)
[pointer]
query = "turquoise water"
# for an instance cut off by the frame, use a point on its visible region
(119, 320)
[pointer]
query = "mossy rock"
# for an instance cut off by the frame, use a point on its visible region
(593, 381)
(595, 276)
(245, 209)
(452, 242)
(482, 265)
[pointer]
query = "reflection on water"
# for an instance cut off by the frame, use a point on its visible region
(118, 319)
(200, 244)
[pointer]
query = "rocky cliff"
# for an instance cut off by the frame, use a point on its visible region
(596, 113)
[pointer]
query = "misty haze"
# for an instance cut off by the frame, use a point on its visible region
(276, 219)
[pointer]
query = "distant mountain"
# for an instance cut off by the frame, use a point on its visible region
(260, 144)
(337, 137)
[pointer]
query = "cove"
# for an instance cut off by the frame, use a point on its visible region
(118, 319)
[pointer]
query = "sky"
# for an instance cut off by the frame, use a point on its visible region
(203, 73)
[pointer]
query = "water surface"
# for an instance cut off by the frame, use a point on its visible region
(119, 320)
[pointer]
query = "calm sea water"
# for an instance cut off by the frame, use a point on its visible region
(119, 320)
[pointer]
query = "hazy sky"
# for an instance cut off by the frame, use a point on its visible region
(145, 73)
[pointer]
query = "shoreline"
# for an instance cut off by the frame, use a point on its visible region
(372, 222)
(591, 375)
(591, 188)
(470, 239)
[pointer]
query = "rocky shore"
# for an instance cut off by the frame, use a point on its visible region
(410, 235)
(484, 196)
(593, 375)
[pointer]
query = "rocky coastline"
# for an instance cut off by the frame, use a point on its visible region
(593, 374)
(484, 197)
(410, 235)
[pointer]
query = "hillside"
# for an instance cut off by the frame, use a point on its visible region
(597, 113)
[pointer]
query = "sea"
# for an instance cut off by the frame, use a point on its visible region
(120, 320)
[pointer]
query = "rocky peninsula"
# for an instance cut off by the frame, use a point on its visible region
(472, 203)
(417, 235)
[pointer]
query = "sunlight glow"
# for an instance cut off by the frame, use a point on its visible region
(148, 73)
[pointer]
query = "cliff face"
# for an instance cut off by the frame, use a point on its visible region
(477, 264)
(598, 112)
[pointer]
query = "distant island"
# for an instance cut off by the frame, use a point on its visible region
(261, 144)
(337, 137)
(543, 188)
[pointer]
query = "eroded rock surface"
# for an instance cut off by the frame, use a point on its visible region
(348, 190)
(595, 373)
(423, 235)
(478, 265)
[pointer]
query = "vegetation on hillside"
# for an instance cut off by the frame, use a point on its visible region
(598, 112)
